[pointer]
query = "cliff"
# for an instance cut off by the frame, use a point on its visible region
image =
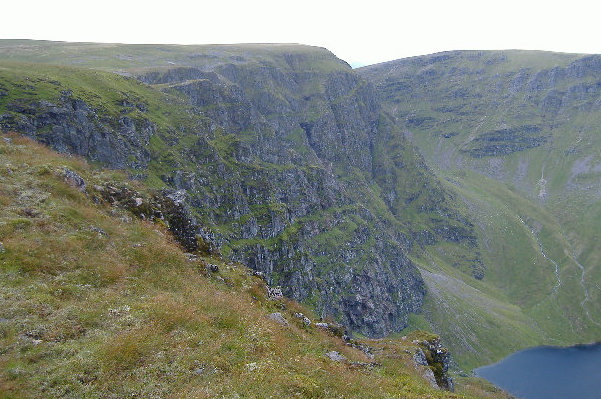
(286, 159)
(284, 154)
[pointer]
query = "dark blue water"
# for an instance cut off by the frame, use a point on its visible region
(549, 373)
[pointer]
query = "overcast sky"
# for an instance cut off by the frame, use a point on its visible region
(360, 32)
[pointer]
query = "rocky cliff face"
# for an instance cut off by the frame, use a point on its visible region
(293, 158)
(70, 125)
(284, 155)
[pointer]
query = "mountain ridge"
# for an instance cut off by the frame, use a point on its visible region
(233, 128)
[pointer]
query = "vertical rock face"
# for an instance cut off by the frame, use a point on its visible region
(70, 125)
(293, 155)
(286, 157)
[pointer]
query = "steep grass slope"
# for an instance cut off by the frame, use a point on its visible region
(533, 290)
(95, 302)
(515, 135)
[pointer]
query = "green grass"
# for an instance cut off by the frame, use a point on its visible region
(104, 92)
(138, 57)
(516, 305)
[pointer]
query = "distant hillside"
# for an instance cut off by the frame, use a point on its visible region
(515, 135)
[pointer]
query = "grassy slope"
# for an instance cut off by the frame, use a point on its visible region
(102, 91)
(91, 296)
(461, 96)
(517, 304)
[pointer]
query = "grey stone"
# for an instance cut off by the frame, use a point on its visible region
(306, 321)
(428, 374)
(191, 257)
(74, 179)
(261, 275)
(251, 366)
(275, 293)
(76, 128)
(334, 328)
(419, 357)
(203, 369)
(335, 356)
(99, 231)
(212, 268)
(278, 318)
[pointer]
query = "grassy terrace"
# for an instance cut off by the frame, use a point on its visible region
(108, 93)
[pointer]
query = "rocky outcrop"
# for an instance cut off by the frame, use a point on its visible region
(168, 206)
(505, 141)
(70, 125)
(431, 354)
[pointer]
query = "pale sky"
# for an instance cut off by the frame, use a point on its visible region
(359, 32)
